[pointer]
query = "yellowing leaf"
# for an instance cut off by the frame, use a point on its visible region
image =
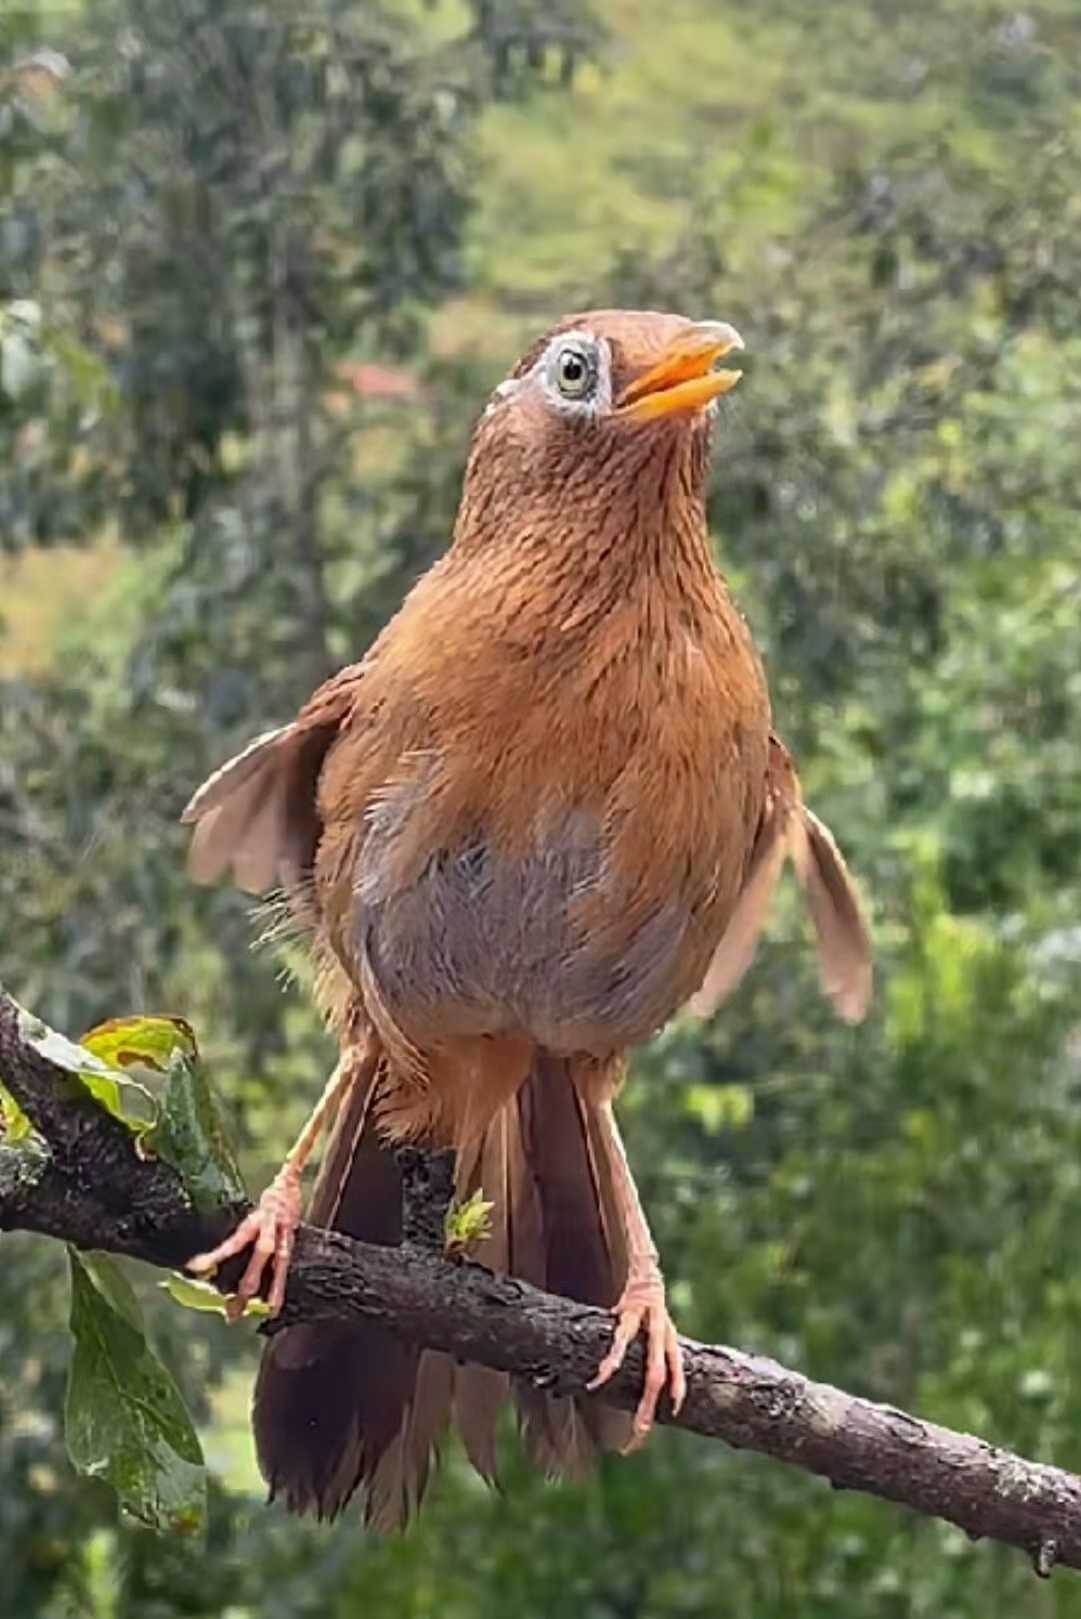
(26, 1151)
(141, 1042)
(122, 1097)
(174, 1114)
(14, 1124)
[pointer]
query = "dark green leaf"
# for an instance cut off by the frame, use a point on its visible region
(189, 1135)
(124, 1419)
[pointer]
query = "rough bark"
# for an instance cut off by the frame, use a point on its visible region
(96, 1192)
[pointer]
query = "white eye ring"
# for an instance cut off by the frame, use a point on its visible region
(574, 371)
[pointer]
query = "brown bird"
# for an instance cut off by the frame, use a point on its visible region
(546, 811)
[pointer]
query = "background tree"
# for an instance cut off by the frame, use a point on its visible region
(258, 272)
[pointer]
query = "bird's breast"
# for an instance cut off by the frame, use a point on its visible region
(487, 940)
(565, 863)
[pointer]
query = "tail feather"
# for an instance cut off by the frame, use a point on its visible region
(341, 1407)
(581, 1257)
(398, 1481)
(479, 1392)
(329, 1396)
(554, 1128)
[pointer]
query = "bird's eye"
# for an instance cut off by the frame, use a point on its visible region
(575, 372)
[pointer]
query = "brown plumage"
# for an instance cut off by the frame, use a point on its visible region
(543, 813)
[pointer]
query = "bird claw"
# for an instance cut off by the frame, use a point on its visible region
(269, 1230)
(642, 1304)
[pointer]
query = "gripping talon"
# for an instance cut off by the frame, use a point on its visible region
(268, 1231)
(642, 1305)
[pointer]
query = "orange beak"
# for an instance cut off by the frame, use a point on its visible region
(683, 378)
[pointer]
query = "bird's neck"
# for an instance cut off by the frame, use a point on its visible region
(651, 530)
(581, 541)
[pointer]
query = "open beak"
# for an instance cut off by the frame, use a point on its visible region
(683, 378)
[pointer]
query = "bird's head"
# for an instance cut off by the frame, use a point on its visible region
(621, 369)
(608, 405)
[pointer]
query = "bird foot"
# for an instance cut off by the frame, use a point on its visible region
(269, 1230)
(642, 1304)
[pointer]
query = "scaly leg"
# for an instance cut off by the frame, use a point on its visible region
(642, 1302)
(270, 1228)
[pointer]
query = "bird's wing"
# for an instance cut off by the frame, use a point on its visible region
(736, 950)
(789, 828)
(256, 816)
(844, 945)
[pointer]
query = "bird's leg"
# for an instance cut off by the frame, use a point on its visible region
(269, 1230)
(642, 1302)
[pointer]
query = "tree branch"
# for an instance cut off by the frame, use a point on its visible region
(91, 1188)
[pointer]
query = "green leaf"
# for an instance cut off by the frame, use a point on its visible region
(720, 1107)
(125, 1099)
(86, 375)
(125, 1421)
(186, 1129)
(26, 1154)
(190, 1136)
(15, 1127)
(177, 1118)
(197, 1295)
(467, 1222)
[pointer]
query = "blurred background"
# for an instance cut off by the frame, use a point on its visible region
(260, 262)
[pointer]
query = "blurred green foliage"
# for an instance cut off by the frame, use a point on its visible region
(217, 209)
